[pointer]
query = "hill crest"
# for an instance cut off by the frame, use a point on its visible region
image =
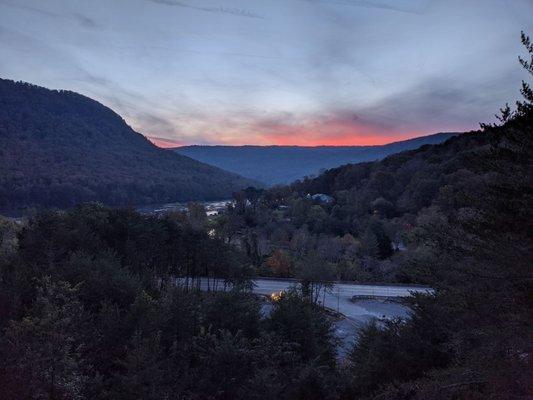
(59, 148)
(285, 164)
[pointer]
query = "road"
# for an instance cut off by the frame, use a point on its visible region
(357, 313)
(379, 304)
(339, 297)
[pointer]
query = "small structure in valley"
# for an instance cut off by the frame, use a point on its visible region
(320, 197)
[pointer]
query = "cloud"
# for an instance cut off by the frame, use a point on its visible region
(395, 5)
(80, 18)
(29, 8)
(335, 128)
(429, 107)
(239, 12)
(164, 143)
(155, 124)
(36, 53)
(341, 127)
(218, 53)
(319, 72)
(85, 21)
(450, 104)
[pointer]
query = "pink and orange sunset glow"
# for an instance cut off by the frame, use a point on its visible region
(280, 72)
(307, 137)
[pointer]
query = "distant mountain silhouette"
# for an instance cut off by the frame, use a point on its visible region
(59, 148)
(284, 164)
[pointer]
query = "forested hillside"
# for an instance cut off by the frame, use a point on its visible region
(285, 164)
(455, 216)
(88, 308)
(58, 148)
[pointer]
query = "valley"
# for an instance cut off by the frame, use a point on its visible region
(236, 201)
(277, 165)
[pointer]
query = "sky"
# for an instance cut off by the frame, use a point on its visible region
(275, 72)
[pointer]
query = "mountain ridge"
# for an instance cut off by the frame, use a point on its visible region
(273, 164)
(332, 146)
(59, 148)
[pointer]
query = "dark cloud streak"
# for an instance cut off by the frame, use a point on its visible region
(238, 12)
(85, 21)
(368, 4)
(29, 8)
(81, 19)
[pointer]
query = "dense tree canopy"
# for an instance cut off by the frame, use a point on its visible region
(90, 308)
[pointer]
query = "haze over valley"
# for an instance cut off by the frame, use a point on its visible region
(273, 165)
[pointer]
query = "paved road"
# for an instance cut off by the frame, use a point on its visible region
(357, 313)
(339, 298)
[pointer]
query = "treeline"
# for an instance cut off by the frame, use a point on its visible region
(58, 149)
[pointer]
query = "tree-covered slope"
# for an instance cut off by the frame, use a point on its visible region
(285, 164)
(59, 148)
(409, 180)
(455, 216)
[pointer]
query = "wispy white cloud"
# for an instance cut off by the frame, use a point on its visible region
(314, 71)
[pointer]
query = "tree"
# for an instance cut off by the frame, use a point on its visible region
(100, 279)
(383, 207)
(225, 364)
(41, 353)
(395, 352)
(197, 216)
(525, 108)
(142, 375)
(233, 311)
(316, 218)
(297, 320)
(279, 263)
(315, 275)
(370, 245)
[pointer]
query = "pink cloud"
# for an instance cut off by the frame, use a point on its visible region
(164, 143)
(340, 128)
(336, 130)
